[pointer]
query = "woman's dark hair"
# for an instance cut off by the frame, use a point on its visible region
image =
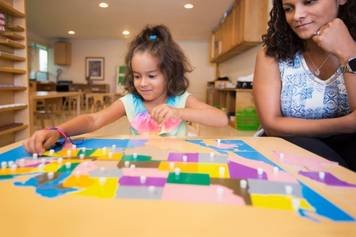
(157, 40)
(282, 43)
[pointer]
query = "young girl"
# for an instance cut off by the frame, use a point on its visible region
(305, 81)
(157, 101)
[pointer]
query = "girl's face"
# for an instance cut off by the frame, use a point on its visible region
(149, 81)
(305, 17)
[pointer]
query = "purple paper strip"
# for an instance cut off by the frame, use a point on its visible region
(239, 171)
(135, 181)
(191, 157)
(329, 179)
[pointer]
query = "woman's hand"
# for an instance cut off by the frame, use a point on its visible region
(164, 112)
(41, 140)
(335, 38)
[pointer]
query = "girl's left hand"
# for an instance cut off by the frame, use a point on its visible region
(164, 112)
(335, 38)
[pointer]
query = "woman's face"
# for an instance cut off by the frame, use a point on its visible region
(305, 17)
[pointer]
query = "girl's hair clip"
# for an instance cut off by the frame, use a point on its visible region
(152, 37)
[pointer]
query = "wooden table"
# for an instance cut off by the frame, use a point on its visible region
(24, 213)
(45, 95)
(97, 97)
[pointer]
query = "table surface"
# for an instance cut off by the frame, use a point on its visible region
(54, 94)
(25, 213)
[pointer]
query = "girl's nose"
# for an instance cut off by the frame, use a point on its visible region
(143, 81)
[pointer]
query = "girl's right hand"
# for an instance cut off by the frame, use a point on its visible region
(41, 140)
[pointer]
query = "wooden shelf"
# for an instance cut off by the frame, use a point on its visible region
(11, 57)
(15, 120)
(12, 35)
(12, 88)
(11, 128)
(12, 70)
(10, 10)
(16, 28)
(11, 44)
(14, 107)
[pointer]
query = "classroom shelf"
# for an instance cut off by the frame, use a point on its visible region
(12, 107)
(16, 28)
(11, 128)
(11, 44)
(10, 10)
(12, 88)
(14, 92)
(12, 70)
(12, 35)
(12, 57)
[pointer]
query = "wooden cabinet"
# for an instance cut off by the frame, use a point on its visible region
(14, 96)
(62, 53)
(241, 29)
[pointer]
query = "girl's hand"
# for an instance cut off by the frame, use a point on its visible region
(164, 112)
(41, 140)
(335, 38)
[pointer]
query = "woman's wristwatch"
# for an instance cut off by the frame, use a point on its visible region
(350, 66)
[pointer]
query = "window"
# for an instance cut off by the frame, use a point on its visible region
(38, 62)
(43, 59)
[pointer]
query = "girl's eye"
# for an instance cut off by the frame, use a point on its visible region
(136, 76)
(151, 76)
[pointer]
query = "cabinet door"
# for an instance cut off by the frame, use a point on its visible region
(253, 20)
(227, 33)
(62, 53)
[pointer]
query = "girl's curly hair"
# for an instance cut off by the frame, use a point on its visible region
(282, 43)
(157, 40)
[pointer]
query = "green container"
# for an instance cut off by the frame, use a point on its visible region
(247, 119)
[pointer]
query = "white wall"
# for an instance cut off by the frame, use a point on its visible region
(114, 52)
(240, 65)
(204, 71)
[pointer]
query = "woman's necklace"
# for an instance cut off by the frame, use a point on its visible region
(317, 69)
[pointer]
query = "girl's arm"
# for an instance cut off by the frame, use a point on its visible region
(199, 112)
(267, 89)
(194, 111)
(43, 139)
(90, 122)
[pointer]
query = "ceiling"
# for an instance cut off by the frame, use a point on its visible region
(53, 18)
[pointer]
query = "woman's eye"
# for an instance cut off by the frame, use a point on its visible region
(307, 2)
(287, 9)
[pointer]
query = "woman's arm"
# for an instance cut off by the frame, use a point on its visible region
(335, 38)
(267, 90)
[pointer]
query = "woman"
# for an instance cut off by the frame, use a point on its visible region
(305, 81)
